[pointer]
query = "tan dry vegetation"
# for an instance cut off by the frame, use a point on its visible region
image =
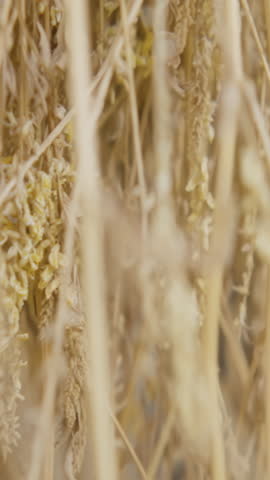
(134, 239)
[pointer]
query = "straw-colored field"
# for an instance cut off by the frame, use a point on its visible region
(134, 240)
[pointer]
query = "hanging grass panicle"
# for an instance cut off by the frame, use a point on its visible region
(200, 119)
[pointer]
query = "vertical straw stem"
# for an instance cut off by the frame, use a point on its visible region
(92, 244)
(267, 373)
(226, 144)
(135, 117)
(267, 346)
(162, 135)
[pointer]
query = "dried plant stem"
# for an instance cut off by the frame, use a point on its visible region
(267, 374)
(5, 11)
(101, 21)
(227, 135)
(48, 462)
(240, 361)
(210, 344)
(267, 21)
(92, 246)
(135, 118)
(258, 117)
(161, 445)
(42, 435)
(2, 108)
(22, 69)
(129, 447)
(256, 36)
(267, 316)
(162, 135)
(227, 139)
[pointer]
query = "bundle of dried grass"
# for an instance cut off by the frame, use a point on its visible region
(134, 237)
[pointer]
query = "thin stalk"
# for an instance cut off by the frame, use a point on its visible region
(267, 21)
(227, 135)
(4, 14)
(161, 106)
(161, 446)
(214, 282)
(22, 73)
(98, 396)
(267, 374)
(255, 34)
(267, 344)
(2, 106)
(48, 462)
(237, 354)
(101, 21)
(131, 450)
(135, 118)
(257, 117)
